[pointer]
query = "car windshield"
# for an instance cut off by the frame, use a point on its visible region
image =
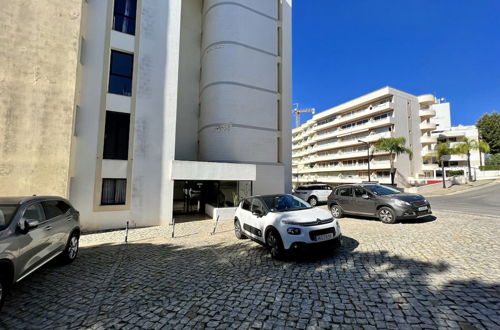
(381, 190)
(6, 214)
(284, 203)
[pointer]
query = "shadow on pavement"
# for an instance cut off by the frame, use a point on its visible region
(239, 285)
(417, 221)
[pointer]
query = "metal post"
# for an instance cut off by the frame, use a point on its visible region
(215, 226)
(173, 227)
(126, 233)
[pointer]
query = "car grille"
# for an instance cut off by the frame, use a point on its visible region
(314, 233)
(317, 222)
(419, 203)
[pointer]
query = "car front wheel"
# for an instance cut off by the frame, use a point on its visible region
(336, 211)
(386, 215)
(273, 241)
(71, 250)
(237, 230)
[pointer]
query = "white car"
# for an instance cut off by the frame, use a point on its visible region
(313, 193)
(284, 222)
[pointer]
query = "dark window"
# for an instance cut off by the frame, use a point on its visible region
(113, 191)
(116, 135)
(54, 208)
(257, 205)
(34, 212)
(346, 192)
(300, 188)
(124, 16)
(358, 192)
(246, 205)
(120, 73)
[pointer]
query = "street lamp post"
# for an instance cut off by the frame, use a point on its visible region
(368, 151)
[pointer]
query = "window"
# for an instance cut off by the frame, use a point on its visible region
(246, 205)
(7, 212)
(113, 191)
(34, 212)
(120, 73)
(124, 16)
(257, 205)
(116, 135)
(54, 208)
(358, 192)
(345, 192)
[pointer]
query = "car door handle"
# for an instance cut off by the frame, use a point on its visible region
(48, 228)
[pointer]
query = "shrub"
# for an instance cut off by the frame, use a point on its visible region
(490, 168)
(454, 172)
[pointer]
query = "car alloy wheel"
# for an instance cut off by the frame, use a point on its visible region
(386, 215)
(313, 201)
(237, 230)
(274, 243)
(336, 212)
(73, 247)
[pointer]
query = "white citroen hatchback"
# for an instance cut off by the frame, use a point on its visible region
(285, 222)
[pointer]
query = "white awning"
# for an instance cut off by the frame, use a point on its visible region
(212, 171)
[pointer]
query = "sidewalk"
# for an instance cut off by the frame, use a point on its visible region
(459, 188)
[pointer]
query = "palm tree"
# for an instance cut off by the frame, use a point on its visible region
(442, 149)
(465, 146)
(394, 146)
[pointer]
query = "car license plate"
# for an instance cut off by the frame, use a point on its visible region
(422, 208)
(324, 237)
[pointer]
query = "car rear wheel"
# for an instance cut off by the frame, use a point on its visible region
(71, 250)
(386, 215)
(275, 245)
(237, 230)
(336, 211)
(313, 201)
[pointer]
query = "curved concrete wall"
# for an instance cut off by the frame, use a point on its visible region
(239, 102)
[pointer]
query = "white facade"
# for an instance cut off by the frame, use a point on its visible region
(210, 100)
(453, 136)
(327, 148)
(442, 119)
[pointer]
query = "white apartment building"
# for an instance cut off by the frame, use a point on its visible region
(142, 110)
(333, 146)
(453, 136)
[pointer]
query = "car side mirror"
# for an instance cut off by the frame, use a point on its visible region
(26, 225)
(365, 196)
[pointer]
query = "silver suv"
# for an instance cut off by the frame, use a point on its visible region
(33, 231)
(313, 193)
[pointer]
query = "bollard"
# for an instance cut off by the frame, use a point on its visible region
(215, 226)
(173, 227)
(126, 233)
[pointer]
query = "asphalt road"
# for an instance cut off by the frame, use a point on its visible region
(482, 201)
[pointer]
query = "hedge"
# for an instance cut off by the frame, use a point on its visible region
(490, 168)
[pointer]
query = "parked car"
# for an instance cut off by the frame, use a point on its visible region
(386, 203)
(284, 222)
(313, 193)
(33, 231)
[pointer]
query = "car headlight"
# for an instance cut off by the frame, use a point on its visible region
(289, 222)
(401, 203)
(293, 231)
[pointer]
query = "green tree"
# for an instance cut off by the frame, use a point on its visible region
(394, 146)
(489, 130)
(493, 160)
(467, 145)
(442, 149)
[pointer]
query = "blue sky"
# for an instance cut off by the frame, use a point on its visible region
(346, 48)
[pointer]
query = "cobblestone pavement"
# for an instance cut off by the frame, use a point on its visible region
(430, 273)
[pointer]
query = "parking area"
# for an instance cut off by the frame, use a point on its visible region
(437, 272)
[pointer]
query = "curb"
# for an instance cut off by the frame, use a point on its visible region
(465, 190)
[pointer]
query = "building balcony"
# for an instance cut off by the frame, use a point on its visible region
(425, 126)
(372, 137)
(426, 99)
(428, 139)
(375, 165)
(381, 108)
(343, 178)
(427, 113)
(430, 167)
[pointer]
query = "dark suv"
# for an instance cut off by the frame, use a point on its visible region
(386, 203)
